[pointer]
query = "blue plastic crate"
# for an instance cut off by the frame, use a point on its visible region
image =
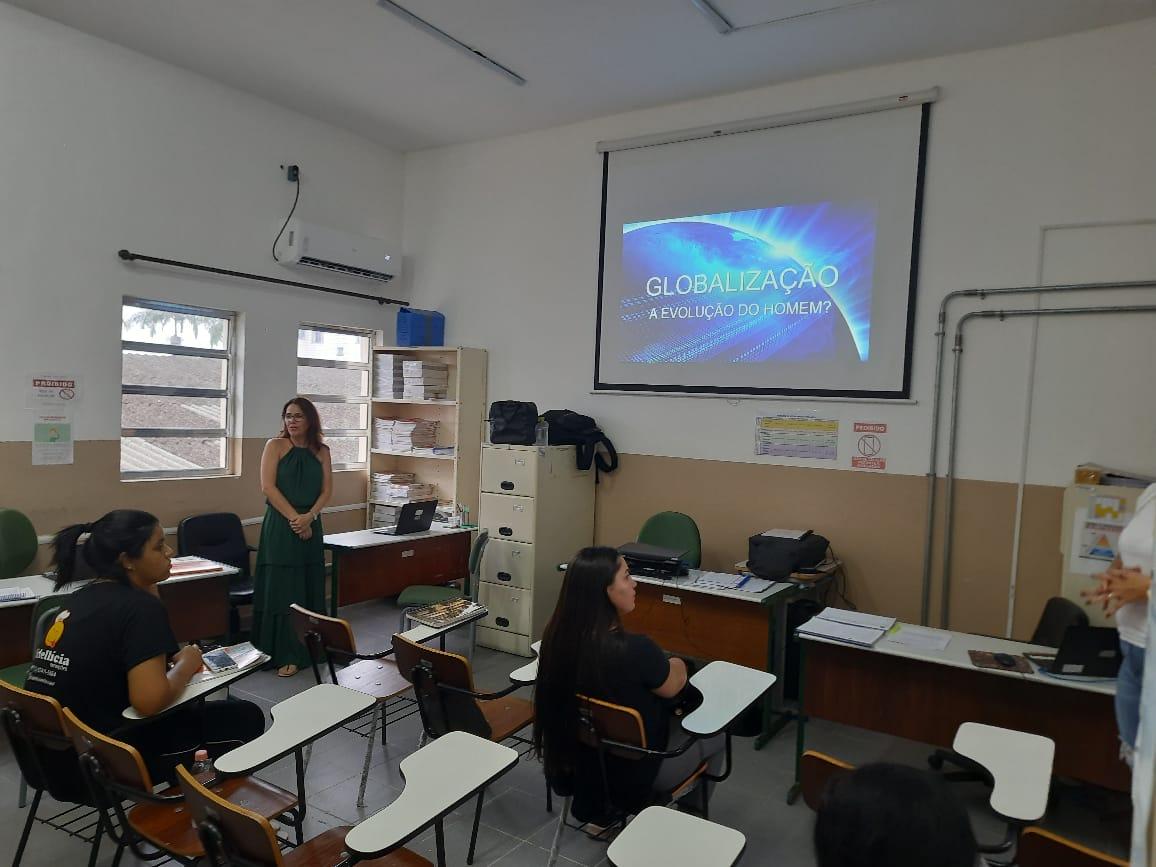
(420, 327)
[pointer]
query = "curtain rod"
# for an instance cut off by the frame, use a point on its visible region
(128, 256)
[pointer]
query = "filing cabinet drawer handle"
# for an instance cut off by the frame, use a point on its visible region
(504, 576)
(519, 508)
(506, 531)
(507, 486)
(521, 462)
(504, 622)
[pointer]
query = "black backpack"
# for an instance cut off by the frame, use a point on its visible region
(512, 422)
(569, 428)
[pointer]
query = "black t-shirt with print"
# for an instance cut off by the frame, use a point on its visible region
(104, 630)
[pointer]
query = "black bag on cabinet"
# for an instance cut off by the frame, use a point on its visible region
(513, 422)
(569, 428)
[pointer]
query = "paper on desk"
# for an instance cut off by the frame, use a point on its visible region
(920, 639)
(244, 654)
(844, 632)
(857, 618)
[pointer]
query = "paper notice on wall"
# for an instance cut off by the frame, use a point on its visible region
(52, 439)
(52, 389)
(869, 442)
(797, 436)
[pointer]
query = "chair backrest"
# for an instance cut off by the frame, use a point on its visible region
(215, 536)
(1040, 848)
(817, 770)
(601, 721)
(18, 543)
(228, 832)
(674, 530)
(120, 763)
(476, 552)
(34, 725)
(1059, 614)
(43, 614)
(442, 710)
(323, 637)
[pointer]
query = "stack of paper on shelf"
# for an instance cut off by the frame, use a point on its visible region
(396, 488)
(425, 380)
(384, 515)
(404, 434)
(849, 627)
(388, 375)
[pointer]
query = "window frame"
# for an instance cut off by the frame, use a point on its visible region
(227, 393)
(369, 335)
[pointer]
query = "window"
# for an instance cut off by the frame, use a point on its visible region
(333, 372)
(177, 376)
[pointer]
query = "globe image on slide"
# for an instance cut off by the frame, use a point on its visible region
(759, 285)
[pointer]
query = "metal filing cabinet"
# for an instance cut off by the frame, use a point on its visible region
(539, 510)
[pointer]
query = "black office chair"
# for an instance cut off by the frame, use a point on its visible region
(219, 536)
(1059, 614)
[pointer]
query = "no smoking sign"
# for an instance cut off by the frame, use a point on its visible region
(869, 446)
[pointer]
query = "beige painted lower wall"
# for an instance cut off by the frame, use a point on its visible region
(54, 497)
(875, 523)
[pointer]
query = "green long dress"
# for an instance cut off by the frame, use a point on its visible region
(289, 569)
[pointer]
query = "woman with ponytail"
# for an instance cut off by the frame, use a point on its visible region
(111, 645)
(585, 650)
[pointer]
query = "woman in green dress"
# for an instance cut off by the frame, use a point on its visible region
(297, 481)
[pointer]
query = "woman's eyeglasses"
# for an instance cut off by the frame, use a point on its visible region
(294, 416)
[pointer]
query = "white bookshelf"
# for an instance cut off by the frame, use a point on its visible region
(460, 416)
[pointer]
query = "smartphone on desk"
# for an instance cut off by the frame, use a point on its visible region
(218, 660)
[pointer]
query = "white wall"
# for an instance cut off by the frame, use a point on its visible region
(502, 236)
(102, 148)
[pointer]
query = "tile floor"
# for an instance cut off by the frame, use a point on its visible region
(517, 830)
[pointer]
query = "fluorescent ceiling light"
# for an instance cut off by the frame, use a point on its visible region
(716, 18)
(442, 36)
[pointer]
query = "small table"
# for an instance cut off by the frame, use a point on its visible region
(528, 673)
(202, 684)
(369, 565)
(1019, 763)
(439, 777)
(727, 690)
(659, 835)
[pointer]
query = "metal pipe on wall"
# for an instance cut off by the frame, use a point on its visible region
(937, 390)
(957, 349)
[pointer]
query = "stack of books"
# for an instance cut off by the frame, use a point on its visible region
(425, 380)
(388, 376)
(404, 434)
(398, 488)
(384, 515)
(848, 627)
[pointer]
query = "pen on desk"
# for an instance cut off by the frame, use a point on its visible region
(745, 579)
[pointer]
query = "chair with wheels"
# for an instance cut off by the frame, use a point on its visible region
(443, 684)
(46, 757)
(420, 595)
(330, 642)
(1058, 615)
(674, 530)
(220, 536)
(816, 773)
(155, 824)
(234, 835)
(1040, 848)
(613, 733)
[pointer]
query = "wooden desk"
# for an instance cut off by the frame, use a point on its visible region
(369, 565)
(926, 695)
(660, 835)
(198, 607)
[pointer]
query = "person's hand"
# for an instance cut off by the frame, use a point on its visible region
(1125, 586)
(305, 534)
(191, 655)
(300, 522)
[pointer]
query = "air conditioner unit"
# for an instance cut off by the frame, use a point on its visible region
(308, 245)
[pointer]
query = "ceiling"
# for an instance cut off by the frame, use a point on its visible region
(357, 66)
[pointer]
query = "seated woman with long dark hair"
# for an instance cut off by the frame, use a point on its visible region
(111, 645)
(586, 651)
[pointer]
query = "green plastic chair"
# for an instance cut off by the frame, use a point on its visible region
(674, 530)
(420, 595)
(18, 543)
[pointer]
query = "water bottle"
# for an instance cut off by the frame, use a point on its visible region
(542, 432)
(202, 764)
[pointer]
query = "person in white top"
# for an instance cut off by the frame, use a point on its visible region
(1123, 592)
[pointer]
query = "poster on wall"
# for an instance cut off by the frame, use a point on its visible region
(870, 439)
(52, 439)
(797, 436)
(1100, 534)
(52, 389)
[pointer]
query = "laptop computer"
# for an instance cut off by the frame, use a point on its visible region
(1086, 651)
(414, 518)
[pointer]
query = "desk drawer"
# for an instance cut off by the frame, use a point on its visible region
(509, 518)
(509, 608)
(508, 564)
(509, 471)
